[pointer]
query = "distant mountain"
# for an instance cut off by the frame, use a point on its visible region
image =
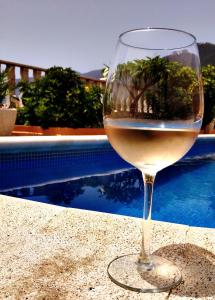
(207, 53)
(93, 74)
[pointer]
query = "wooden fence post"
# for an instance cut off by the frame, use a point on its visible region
(36, 74)
(11, 78)
(24, 73)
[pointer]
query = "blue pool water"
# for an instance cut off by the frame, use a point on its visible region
(100, 180)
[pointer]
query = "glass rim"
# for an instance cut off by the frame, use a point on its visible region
(145, 29)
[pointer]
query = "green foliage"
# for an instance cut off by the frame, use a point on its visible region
(208, 73)
(4, 85)
(173, 92)
(93, 106)
(166, 87)
(59, 99)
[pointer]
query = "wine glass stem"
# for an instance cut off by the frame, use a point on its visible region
(144, 257)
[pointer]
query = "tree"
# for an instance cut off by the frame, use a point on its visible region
(164, 87)
(138, 76)
(208, 73)
(60, 99)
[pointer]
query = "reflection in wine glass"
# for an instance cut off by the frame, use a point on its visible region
(153, 109)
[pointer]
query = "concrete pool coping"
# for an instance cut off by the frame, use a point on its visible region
(61, 138)
(50, 138)
(50, 252)
(63, 142)
(52, 143)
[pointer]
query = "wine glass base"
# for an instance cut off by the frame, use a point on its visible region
(162, 275)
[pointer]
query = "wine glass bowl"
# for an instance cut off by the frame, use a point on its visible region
(153, 108)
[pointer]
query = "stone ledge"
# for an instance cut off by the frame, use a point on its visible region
(49, 252)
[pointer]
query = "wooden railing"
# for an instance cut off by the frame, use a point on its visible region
(27, 72)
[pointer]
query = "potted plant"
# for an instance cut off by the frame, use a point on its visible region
(7, 112)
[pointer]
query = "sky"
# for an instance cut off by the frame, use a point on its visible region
(82, 34)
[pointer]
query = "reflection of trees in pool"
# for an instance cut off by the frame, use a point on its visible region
(122, 187)
(64, 192)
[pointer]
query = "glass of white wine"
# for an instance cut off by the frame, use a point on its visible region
(153, 109)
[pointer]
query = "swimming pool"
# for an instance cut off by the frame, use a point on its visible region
(92, 176)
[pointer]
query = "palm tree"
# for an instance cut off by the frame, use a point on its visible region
(163, 86)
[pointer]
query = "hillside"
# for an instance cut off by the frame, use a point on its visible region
(93, 74)
(207, 53)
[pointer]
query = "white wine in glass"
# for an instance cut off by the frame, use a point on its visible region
(153, 109)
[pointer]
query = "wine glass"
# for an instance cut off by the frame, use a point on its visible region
(153, 108)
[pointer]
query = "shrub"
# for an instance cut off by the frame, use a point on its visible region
(4, 85)
(208, 74)
(5, 89)
(93, 107)
(59, 99)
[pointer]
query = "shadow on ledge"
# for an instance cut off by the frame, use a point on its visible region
(197, 266)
